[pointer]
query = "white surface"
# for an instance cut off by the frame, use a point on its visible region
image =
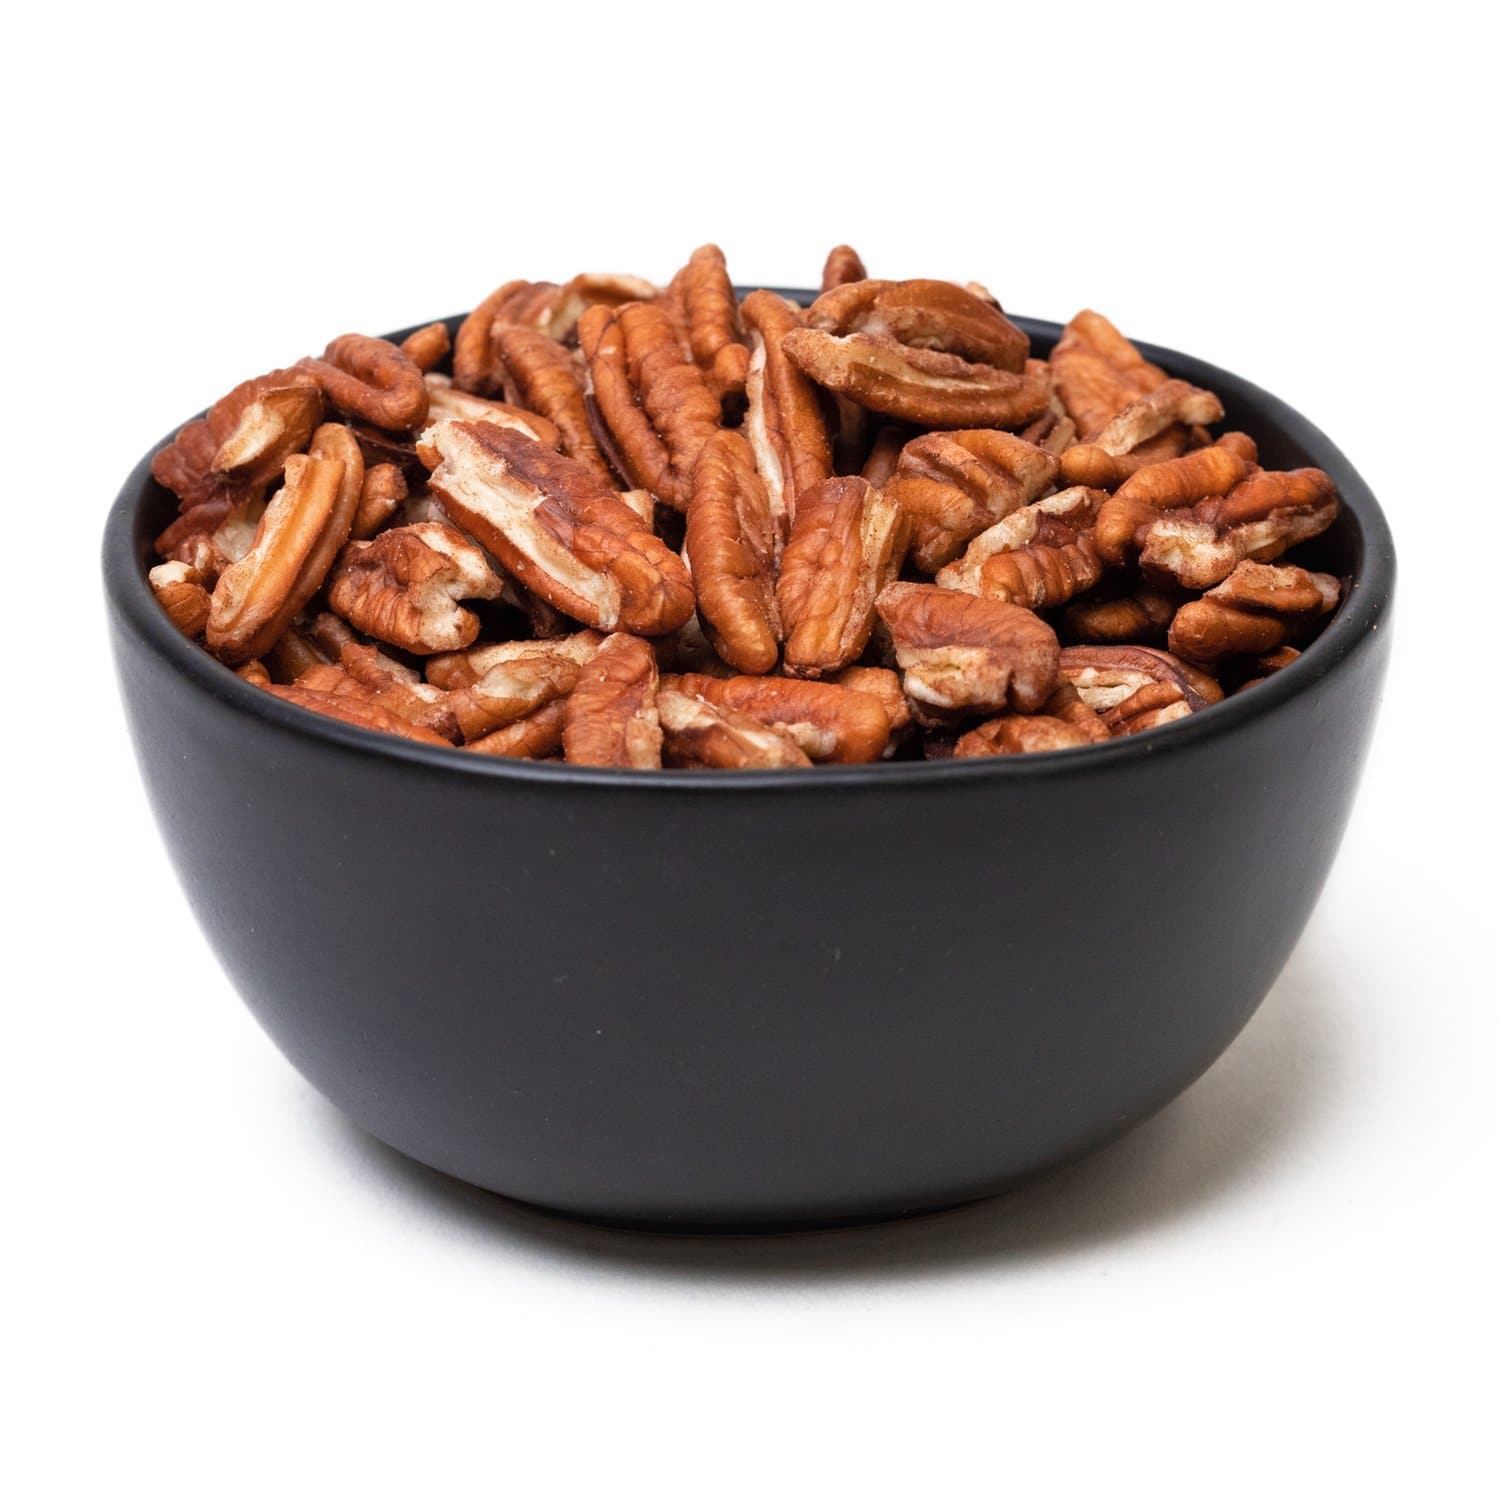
(1283, 1285)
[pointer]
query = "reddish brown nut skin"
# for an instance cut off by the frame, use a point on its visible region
(1134, 688)
(831, 723)
(476, 363)
(180, 592)
(371, 379)
(962, 652)
(847, 544)
(1142, 617)
(842, 266)
(536, 737)
(731, 548)
(380, 495)
(428, 347)
(1098, 373)
(710, 316)
(355, 710)
(611, 717)
(545, 376)
(1257, 610)
(699, 733)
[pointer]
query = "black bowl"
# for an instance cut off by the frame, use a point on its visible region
(758, 999)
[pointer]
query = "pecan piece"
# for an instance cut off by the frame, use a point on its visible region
(847, 544)
(277, 424)
(476, 364)
(355, 709)
(1125, 519)
(701, 301)
(960, 652)
(1256, 610)
(1133, 688)
(925, 314)
(1139, 617)
(1099, 372)
(611, 717)
(591, 289)
(1054, 430)
(462, 669)
(829, 722)
(372, 380)
(731, 549)
(304, 526)
(884, 686)
(842, 266)
(924, 386)
(652, 401)
(1149, 416)
(546, 377)
(885, 453)
(404, 587)
(1065, 723)
(180, 592)
(1262, 667)
(783, 417)
(1039, 556)
(362, 673)
(380, 495)
(698, 733)
(955, 484)
(562, 533)
(494, 685)
(538, 736)
(428, 347)
(445, 402)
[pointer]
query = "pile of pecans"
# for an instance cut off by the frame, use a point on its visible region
(642, 526)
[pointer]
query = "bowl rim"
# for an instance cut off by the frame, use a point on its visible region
(1364, 608)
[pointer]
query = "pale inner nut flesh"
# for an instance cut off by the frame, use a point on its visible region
(676, 527)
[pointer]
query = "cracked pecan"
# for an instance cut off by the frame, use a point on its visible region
(404, 587)
(381, 493)
(372, 380)
(446, 402)
(611, 717)
(652, 402)
(1065, 723)
(539, 736)
(562, 533)
(963, 653)
(702, 304)
(833, 722)
(1039, 556)
(546, 377)
(783, 415)
(955, 484)
(1133, 688)
(847, 544)
(180, 592)
(354, 708)
(731, 549)
(697, 732)
(1257, 610)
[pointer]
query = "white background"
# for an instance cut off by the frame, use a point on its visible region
(1284, 1284)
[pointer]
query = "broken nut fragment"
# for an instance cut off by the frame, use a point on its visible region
(1133, 688)
(1065, 723)
(830, 722)
(179, 590)
(697, 732)
(1257, 610)
(611, 717)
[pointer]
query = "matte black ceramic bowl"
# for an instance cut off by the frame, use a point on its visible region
(758, 999)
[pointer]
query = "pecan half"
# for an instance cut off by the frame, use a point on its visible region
(1065, 723)
(1039, 556)
(654, 405)
(445, 402)
(955, 484)
(546, 377)
(848, 542)
(538, 736)
(924, 386)
(562, 533)
(380, 496)
(1148, 416)
(355, 709)
(299, 536)
(701, 300)
(783, 416)
(1099, 372)
(462, 669)
(277, 424)
(925, 314)
(476, 364)
(611, 717)
(884, 686)
(180, 592)
(961, 652)
(516, 687)
(829, 722)
(428, 347)
(404, 586)
(696, 732)
(1141, 616)
(731, 549)
(362, 672)
(842, 266)
(1054, 430)
(1133, 688)
(371, 379)
(1256, 610)
(1126, 517)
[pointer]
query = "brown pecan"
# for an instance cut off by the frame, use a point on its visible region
(516, 687)
(356, 709)
(1136, 687)
(1126, 518)
(1148, 416)
(699, 733)
(404, 587)
(924, 386)
(880, 462)
(538, 736)
(828, 721)
(701, 301)
(651, 400)
(361, 672)
(546, 377)
(611, 717)
(476, 364)
(179, 590)
(884, 686)
(783, 417)
(924, 314)
(1141, 616)
(1256, 610)
(428, 347)
(842, 266)
(371, 379)
(380, 496)
(1099, 372)
(955, 484)
(1039, 556)
(461, 669)
(562, 533)
(592, 289)
(1262, 667)
(296, 542)
(1054, 430)
(847, 544)
(960, 652)
(731, 549)
(255, 674)
(277, 424)
(445, 402)
(1065, 723)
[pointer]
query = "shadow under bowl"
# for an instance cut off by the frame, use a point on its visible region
(765, 1000)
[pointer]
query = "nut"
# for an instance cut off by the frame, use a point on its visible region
(562, 533)
(963, 653)
(538, 736)
(828, 721)
(847, 544)
(476, 364)
(445, 402)
(1256, 610)
(370, 379)
(1150, 415)
(611, 717)
(380, 497)
(1142, 617)
(696, 732)
(404, 586)
(955, 484)
(842, 266)
(354, 709)
(1066, 723)
(701, 301)
(731, 549)
(548, 378)
(179, 590)
(1098, 373)
(428, 347)
(277, 424)
(1133, 688)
